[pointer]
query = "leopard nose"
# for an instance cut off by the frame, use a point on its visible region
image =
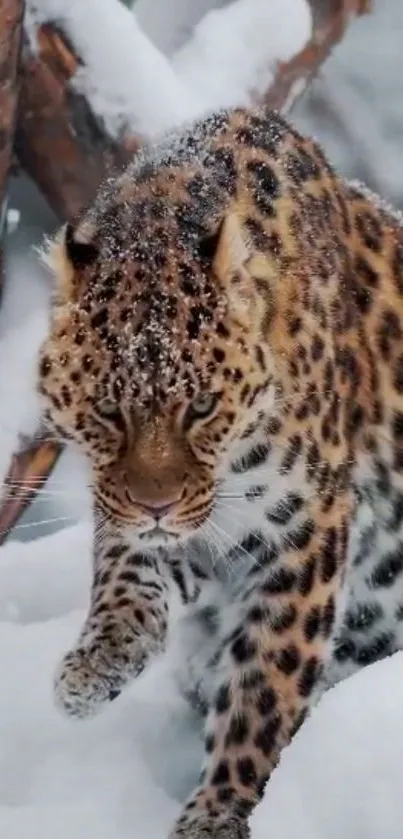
(158, 509)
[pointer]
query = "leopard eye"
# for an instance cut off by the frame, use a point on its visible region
(109, 411)
(107, 408)
(202, 406)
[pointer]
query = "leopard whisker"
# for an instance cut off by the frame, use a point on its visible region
(234, 544)
(211, 543)
(34, 524)
(217, 540)
(259, 536)
(21, 490)
(256, 534)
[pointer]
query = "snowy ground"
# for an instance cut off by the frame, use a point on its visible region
(124, 773)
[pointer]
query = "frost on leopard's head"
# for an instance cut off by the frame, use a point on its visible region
(377, 201)
(156, 362)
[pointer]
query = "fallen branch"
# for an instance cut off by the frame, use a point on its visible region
(66, 150)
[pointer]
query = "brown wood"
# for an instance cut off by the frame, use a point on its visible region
(59, 141)
(66, 150)
(323, 10)
(11, 15)
(28, 471)
(330, 21)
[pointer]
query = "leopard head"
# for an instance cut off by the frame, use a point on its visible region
(157, 362)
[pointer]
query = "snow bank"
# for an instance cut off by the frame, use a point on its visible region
(132, 84)
(342, 775)
(124, 773)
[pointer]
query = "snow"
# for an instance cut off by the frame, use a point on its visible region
(355, 105)
(232, 52)
(24, 307)
(131, 86)
(125, 772)
(342, 773)
(170, 30)
(246, 60)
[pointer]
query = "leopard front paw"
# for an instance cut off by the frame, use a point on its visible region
(94, 674)
(199, 824)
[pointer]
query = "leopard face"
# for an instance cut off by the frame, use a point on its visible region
(155, 384)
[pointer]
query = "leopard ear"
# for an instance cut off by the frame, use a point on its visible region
(80, 244)
(232, 249)
(247, 275)
(230, 264)
(71, 251)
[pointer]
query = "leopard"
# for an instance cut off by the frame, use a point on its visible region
(225, 348)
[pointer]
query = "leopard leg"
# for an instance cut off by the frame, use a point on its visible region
(270, 671)
(126, 624)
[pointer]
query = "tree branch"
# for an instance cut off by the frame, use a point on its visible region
(11, 15)
(28, 471)
(59, 141)
(330, 21)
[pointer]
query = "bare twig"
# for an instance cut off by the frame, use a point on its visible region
(330, 21)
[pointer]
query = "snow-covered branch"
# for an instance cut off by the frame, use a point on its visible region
(93, 82)
(59, 140)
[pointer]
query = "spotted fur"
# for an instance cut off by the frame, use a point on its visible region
(226, 348)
